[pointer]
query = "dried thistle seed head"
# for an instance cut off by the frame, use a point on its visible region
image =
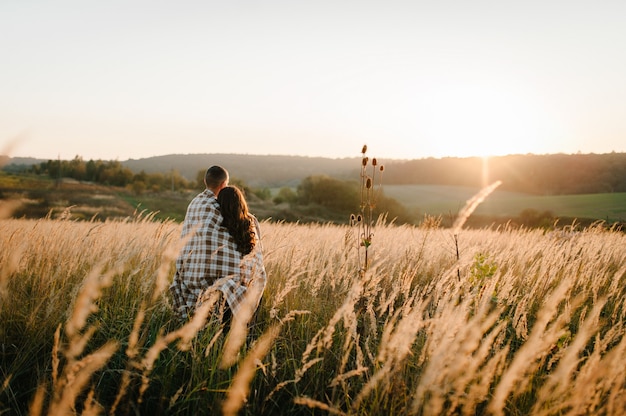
(368, 183)
(382, 167)
(364, 149)
(352, 218)
(364, 161)
(359, 218)
(374, 162)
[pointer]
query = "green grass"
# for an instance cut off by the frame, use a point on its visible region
(12, 181)
(166, 206)
(434, 200)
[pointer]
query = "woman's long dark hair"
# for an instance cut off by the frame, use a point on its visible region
(237, 219)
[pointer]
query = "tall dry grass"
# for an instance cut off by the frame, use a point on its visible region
(523, 322)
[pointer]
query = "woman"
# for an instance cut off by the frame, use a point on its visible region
(243, 227)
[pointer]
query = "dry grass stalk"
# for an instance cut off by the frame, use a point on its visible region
(132, 351)
(598, 386)
(239, 327)
(394, 351)
(457, 361)
(471, 205)
(314, 404)
(77, 373)
(85, 303)
(351, 341)
(162, 282)
(238, 391)
(37, 404)
(291, 284)
(55, 355)
(91, 407)
(323, 339)
(559, 381)
(184, 335)
(76, 376)
(9, 264)
(541, 338)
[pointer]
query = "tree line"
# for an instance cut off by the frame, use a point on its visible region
(112, 173)
(555, 174)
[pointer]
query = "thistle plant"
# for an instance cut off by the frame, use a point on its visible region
(364, 219)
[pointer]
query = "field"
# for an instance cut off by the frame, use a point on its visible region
(435, 200)
(40, 197)
(491, 321)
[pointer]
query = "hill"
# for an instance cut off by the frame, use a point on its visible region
(255, 170)
(556, 174)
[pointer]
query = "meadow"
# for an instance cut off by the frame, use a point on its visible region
(440, 199)
(492, 321)
(40, 196)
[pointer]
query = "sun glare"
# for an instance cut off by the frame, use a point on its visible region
(478, 120)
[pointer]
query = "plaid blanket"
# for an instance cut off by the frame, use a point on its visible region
(210, 261)
(251, 280)
(209, 253)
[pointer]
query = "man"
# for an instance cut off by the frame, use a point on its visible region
(209, 253)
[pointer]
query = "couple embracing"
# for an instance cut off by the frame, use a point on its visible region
(222, 254)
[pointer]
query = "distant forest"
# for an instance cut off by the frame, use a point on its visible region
(556, 174)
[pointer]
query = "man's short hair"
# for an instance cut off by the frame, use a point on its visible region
(214, 176)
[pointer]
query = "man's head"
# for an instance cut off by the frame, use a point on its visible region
(216, 178)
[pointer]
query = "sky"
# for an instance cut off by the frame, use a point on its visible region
(118, 80)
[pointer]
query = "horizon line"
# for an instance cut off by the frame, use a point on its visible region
(315, 157)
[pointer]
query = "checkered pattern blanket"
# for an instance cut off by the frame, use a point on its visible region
(209, 253)
(249, 284)
(210, 261)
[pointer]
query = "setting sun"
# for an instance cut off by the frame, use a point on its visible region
(486, 120)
